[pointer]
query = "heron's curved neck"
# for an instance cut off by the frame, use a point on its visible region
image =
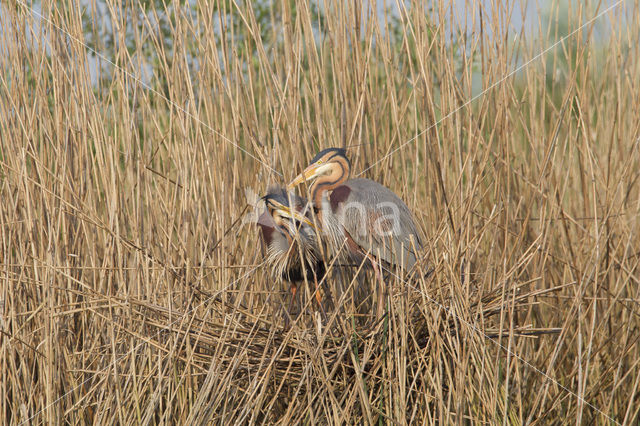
(339, 174)
(287, 234)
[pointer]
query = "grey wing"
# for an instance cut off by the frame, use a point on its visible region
(380, 222)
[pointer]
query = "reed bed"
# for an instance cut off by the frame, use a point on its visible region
(136, 137)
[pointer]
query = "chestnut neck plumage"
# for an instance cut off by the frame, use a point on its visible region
(339, 174)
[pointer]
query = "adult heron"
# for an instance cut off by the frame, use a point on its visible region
(292, 251)
(367, 218)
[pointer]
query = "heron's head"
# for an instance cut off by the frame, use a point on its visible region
(279, 205)
(330, 166)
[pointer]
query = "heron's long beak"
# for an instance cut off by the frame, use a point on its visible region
(293, 214)
(310, 173)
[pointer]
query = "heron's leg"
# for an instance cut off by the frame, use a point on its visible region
(318, 296)
(381, 288)
(294, 291)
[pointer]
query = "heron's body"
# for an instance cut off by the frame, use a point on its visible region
(368, 218)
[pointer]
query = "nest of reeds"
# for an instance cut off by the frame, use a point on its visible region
(248, 354)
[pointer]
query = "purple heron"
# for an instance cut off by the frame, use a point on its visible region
(292, 248)
(368, 219)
